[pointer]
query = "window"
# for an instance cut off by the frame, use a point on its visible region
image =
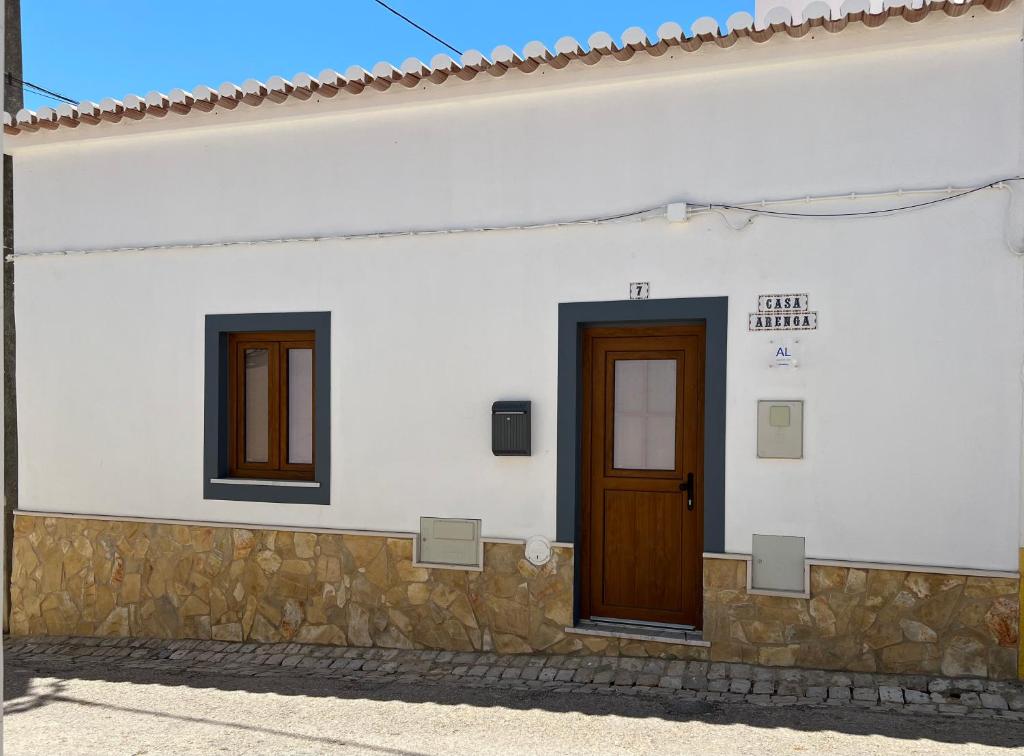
(267, 416)
(271, 405)
(645, 415)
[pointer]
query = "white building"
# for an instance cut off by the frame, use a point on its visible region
(431, 239)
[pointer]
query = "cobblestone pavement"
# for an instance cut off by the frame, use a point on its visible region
(599, 675)
(87, 695)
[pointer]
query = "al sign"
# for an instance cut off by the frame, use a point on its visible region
(783, 312)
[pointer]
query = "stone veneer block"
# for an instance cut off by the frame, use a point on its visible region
(79, 576)
(867, 620)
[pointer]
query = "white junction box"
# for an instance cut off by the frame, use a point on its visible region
(777, 564)
(449, 542)
(780, 429)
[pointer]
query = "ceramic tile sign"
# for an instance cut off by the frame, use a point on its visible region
(783, 312)
(640, 290)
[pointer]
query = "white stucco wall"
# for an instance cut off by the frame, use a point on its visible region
(912, 381)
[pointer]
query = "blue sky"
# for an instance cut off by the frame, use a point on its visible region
(91, 49)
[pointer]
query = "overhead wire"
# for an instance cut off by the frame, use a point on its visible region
(13, 81)
(413, 23)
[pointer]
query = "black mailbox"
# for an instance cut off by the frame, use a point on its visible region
(510, 429)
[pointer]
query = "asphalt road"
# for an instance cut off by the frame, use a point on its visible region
(98, 711)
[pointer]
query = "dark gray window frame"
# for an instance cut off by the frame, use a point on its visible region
(572, 318)
(215, 430)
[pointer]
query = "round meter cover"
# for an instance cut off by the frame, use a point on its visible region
(538, 550)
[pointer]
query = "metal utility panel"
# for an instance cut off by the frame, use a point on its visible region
(510, 429)
(777, 564)
(451, 542)
(780, 429)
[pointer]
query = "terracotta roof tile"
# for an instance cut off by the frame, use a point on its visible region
(383, 76)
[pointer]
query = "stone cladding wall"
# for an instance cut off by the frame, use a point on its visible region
(75, 576)
(90, 577)
(867, 620)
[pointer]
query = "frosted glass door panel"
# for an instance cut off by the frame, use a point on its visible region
(257, 405)
(645, 415)
(300, 406)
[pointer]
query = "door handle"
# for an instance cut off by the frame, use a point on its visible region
(688, 487)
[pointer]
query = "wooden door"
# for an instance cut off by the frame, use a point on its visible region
(643, 409)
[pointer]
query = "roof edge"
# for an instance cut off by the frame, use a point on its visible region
(413, 72)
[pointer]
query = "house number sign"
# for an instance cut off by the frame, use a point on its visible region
(783, 312)
(640, 290)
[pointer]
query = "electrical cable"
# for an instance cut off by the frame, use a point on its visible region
(753, 209)
(1003, 184)
(13, 81)
(726, 221)
(860, 213)
(1017, 250)
(413, 23)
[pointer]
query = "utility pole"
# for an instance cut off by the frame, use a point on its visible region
(5, 536)
(13, 102)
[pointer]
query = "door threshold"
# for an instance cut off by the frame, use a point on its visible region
(655, 633)
(641, 623)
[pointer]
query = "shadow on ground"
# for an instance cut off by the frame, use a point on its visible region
(21, 694)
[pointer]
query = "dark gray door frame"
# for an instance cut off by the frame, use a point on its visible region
(572, 318)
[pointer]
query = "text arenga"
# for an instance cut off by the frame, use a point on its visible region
(783, 312)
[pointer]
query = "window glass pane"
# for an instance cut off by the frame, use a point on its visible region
(644, 415)
(257, 409)
(300, 406)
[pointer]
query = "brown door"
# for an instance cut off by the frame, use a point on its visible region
(642, 486)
